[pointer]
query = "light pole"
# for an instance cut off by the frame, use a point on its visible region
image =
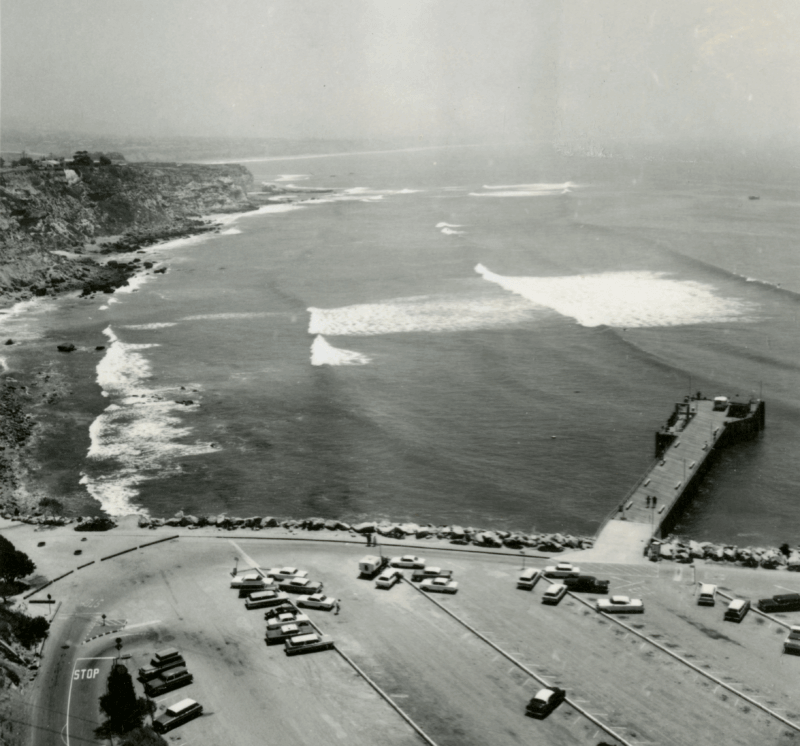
(522, 552)
(104, 619)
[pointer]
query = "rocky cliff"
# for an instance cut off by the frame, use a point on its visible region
(52, 219)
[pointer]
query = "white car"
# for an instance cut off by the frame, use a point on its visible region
(286, 573)
(407, 560)
(287, 617)
(554, 593)
(562, 570)
(388, 578)
(250, 579)
(439, 585)
(620, 605)
(316, 601)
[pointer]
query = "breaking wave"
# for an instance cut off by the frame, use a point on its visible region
(324, 353)
(625, 299)
(421, 314)
(135, 438)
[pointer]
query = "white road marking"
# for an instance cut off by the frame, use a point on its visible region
(143, 624)
(71, 679)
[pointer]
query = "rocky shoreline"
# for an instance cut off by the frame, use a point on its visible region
(685, 551)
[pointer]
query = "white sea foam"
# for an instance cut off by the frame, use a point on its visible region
(135, 438)
(230, 232)
(24, 321)
(242, 315)
(448, 225)
(324, 353)
(625, 299)
(537, 187)
(292, 177)
(154, 325)
(451, 232)
(525, 190)
(446, 313)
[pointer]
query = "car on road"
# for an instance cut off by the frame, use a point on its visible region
(528, 579)
(265, 598)
(423, 573)
(285, 617)
(781, 602)
(554, 593)
(177, 714)
(316, 601)
(407, 560)
(439, 585)
(286, 573)
(309, 643)
(150, 672)
(621, 605)
(586, 584)
(737, 610)
(300, 585)
(545, 701)
(792, 642)
(284, 632)
(562, 570)
(707, 595)
(167, 681)
(388, 578)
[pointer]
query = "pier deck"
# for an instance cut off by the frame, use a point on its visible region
(686, 444)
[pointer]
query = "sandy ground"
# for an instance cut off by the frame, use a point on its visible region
(455, 686)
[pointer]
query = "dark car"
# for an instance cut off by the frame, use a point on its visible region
(781, 602)
(545, 701)
(586, 584)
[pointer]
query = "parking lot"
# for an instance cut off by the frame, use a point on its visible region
(454, 685)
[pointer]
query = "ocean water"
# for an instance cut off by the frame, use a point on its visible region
(471, 335)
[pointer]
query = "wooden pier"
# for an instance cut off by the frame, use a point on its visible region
(684, 448)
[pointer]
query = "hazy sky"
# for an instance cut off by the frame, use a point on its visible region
(467, 69)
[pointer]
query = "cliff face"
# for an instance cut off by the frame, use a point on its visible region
(43, 210)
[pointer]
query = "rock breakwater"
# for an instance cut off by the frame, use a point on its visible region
(686, 551)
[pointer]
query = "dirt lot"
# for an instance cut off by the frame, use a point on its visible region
(455, 686)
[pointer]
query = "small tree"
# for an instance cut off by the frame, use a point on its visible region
(14, 564)
(124, 710)
(30, 630)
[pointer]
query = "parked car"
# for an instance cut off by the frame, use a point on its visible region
(263, 584)
(781, 602)
(167, 681)
(620, 605)
(439, 585)
(528, 579)
(316, 601)
(300, 585)
(562, 570)
(737, 610)
(250, 578)
(286, 573)
(586, 584)
(285, 631)
(371, 565)
(388, 578)
(287, 617)
(707, 595)
(792, 643)
(260, 599)
(554, 593)
(430, 572)
(545, 701)
(165, 656)
(150, 672)
(287, 607)
(309, 643)
(407, 560)
(177, 714)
